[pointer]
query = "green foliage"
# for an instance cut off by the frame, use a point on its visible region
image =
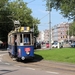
(3, 4)
(72, 29)
(5, 23)
(67, 7)
(15, 10)
(20, 11)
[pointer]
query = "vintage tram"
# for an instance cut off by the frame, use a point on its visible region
(17, 46)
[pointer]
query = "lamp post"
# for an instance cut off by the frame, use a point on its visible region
(49, 25)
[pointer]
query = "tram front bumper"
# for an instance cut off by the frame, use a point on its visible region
(27, 57)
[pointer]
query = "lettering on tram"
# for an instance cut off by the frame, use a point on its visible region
(21, 43)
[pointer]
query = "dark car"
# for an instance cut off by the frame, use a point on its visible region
(37, 45)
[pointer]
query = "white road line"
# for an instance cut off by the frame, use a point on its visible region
(7, 63)
(30, 68)
(52, 72)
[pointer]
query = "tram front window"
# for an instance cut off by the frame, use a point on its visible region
(26, 39)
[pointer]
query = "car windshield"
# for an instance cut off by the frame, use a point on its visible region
(55, 43)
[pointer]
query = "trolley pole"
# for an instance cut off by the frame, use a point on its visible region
(49, 25)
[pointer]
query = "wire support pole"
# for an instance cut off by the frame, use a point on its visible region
(49, 26)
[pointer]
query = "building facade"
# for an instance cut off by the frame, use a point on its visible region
(60, 32)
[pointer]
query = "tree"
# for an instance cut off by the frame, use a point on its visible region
(66, 7)
(3, 3)
(35, 22)
(16, 10)
(5, 23)
(72, 29)
(20, 11)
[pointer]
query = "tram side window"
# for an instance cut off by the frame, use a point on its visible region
(21, 38)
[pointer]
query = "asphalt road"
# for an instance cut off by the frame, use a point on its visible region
(35, 67)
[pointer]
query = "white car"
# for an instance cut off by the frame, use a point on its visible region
(55, 45)
(73, 44)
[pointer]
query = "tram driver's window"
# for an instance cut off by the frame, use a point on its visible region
(26, 39)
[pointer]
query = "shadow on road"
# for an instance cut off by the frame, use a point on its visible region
(36, 58)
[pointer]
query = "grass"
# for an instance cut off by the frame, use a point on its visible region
(61, 55)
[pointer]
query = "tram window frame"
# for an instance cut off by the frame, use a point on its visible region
(21, 39)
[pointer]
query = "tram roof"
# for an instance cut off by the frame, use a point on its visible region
(21, 30)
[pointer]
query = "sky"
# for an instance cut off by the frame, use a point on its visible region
(38, 8)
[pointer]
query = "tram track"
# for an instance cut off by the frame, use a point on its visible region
(46, 65)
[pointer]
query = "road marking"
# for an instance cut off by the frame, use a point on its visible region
(52, 72)
(30, 68)
(7, 63)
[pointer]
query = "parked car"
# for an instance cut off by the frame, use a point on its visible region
(73, 44)
(38, 45)
(54, 45)
(47, 45)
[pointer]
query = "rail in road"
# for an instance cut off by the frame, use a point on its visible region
(48, 66)
(42, 63)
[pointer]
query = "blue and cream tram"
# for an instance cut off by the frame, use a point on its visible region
(17, 46)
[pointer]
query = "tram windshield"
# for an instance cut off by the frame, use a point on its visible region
(25, 39)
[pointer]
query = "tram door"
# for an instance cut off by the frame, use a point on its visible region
(15, 45)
